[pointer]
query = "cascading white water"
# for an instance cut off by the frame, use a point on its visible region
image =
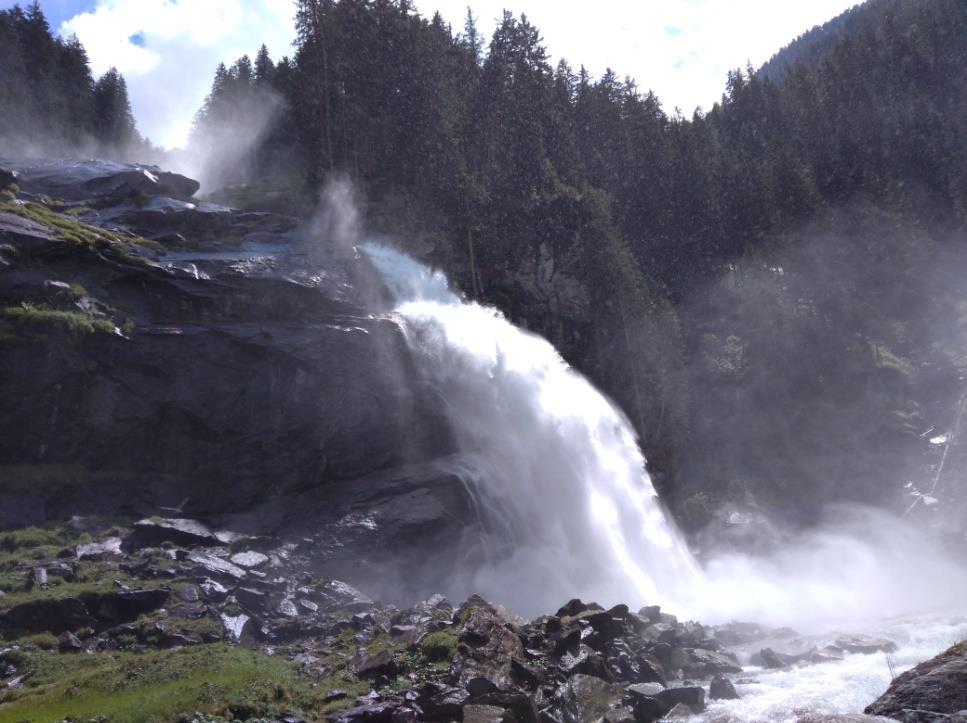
(554, 465)
(561, 483)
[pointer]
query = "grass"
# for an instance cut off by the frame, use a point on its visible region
(39, 317)
(439, 647)
(213, 679)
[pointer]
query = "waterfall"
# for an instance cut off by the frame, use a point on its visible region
(553, 466)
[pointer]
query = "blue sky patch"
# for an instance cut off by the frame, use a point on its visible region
(673, 31)
(137, 39)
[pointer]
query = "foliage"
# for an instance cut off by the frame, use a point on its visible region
(439, 646)
(50, 99)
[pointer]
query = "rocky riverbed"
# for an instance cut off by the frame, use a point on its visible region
(177, 600)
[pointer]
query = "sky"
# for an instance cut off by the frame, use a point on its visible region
(681, 49)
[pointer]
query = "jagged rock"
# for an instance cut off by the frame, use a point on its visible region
(721, 688)
(929, 692)
(191, 611)
(213, 590)
(661, 632)
(490, 645)
(769, 658)
(341, 595)
(111, 547)
(153, 532)
(37, 578)
(235, 625)
(865, 644)
(692, 696)
(287, 608)
(125, 604)
(706, 663)
(188, 594)
(644, 690)
(379, 664)
(88, 179)
(68, 642)
(55, 616)
(442, 702)
(249, 559)
(217, 566)
(586, 661)
(253, 600)
(585, 698)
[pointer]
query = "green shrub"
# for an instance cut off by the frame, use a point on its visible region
(439, 646)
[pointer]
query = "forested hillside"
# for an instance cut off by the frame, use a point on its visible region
(769, 288)
(756, 274)
(51, 103)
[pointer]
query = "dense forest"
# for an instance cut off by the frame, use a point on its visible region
(750, 283)
(49, 98)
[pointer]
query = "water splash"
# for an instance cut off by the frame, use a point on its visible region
(554, 465)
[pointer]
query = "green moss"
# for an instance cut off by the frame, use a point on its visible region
(41, 318)
(885, 359)
(78, 233)
(42, 641)
(159, 686)
(440, 646)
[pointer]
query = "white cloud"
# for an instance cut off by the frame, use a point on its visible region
(681, 49)
(169, 69)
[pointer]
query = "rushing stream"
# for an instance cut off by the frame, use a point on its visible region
(560, 484)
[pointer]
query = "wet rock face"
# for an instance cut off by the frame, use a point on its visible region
(86, 179)
(935, 690)
(240, 377)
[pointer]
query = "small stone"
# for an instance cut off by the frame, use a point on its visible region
(68, 642)
(287, 608)
(308, 606)
(249, 559)
(188, 594)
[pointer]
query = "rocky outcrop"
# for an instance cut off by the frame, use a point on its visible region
(933, 691)
(162, 355)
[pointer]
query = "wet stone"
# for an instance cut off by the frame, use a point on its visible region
(249, 559)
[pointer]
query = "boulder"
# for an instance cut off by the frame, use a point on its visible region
(84, 180)
(692, 696)
(585, 698)
(217, 567)
(111, 547)
(721, 688)
(55, 616)
(155, 531)
(489, 647)
(930, 691)
(378, 664)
